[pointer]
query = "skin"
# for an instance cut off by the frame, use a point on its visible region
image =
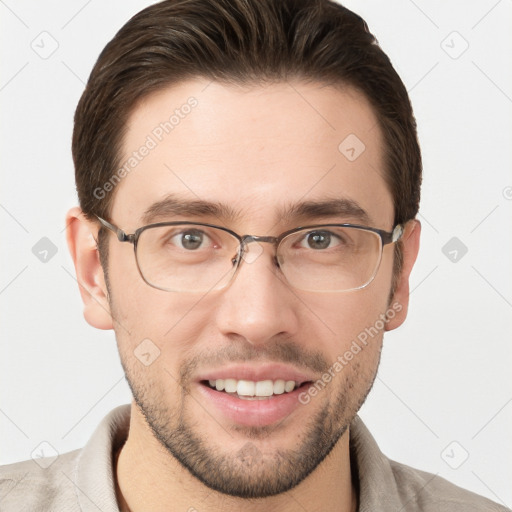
(256, 149)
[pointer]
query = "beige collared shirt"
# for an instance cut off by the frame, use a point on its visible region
(83, 480)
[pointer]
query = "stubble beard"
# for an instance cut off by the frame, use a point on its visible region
(246, 473)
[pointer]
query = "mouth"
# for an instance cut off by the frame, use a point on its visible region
(254, 390)
(254, 395)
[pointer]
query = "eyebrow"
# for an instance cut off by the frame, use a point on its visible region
(338, 207)
(172, 205)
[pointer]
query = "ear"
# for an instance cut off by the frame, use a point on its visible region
(81, 236)
(410, 248)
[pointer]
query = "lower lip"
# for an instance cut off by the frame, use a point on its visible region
(252, 413)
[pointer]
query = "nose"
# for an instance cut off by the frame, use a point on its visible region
(258, 304)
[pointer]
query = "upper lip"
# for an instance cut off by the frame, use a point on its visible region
(266, 371)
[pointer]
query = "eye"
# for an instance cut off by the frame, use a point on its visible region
(319, 240)
(191, 239)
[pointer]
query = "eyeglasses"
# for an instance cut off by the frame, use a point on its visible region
(199, 257)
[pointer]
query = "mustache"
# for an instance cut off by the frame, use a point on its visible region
(240, 351)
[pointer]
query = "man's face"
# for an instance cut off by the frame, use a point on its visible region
(258, 151)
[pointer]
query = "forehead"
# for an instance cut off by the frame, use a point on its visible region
(254, 149)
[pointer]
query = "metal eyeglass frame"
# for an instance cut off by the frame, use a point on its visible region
(386, 237)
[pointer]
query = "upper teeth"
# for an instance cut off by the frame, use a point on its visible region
(252, 388)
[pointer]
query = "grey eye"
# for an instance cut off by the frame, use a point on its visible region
(318, 240)
(191, 240)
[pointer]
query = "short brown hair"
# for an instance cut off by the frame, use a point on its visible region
(240, 41)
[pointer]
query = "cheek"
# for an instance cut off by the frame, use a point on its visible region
(167, 319)
(155, 332)
(342, 318)
(348, 332)
(151, 320)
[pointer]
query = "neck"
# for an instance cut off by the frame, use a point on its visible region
(148, 477)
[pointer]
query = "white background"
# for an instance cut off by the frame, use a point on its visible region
(445, 375)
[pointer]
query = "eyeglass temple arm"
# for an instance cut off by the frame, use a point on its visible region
(394, 236)
(121, 235)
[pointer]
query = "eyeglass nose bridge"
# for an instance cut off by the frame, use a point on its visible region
(245, 240)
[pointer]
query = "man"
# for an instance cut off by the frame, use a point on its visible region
(248, 176)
